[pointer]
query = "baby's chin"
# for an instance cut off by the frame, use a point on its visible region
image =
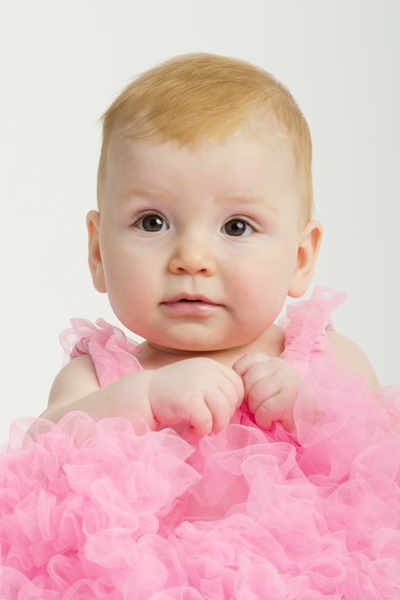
(193, 349)
(189, 349)
(198, 340)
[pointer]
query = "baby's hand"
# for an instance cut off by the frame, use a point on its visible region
(272, 386)
(197, 390)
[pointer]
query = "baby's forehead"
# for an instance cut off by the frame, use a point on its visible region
(260, 145)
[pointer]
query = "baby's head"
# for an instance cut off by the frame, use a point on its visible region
(205, 198)
(202, 97)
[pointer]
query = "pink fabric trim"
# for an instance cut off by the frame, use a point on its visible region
(111, 351)
(305, 324)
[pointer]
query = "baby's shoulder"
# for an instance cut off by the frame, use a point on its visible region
(76, 378)
(353, 357)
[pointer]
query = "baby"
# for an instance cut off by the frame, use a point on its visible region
(243, 459)
(204, 227)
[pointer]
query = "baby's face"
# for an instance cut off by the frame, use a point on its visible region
(198, 246)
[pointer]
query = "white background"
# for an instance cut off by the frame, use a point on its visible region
(61, 65)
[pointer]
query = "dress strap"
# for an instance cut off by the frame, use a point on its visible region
(305, 324)
(109, 348)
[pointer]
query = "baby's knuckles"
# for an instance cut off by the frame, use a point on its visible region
(243, 364)
(272, 386)
(261, 391)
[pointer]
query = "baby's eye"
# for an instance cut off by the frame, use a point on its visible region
(151, 223)
(237, 227)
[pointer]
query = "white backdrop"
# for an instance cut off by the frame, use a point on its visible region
(61, 65)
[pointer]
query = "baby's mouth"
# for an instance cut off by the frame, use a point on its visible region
(188, 304)
(190, 298)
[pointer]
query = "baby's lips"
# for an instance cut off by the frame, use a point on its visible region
(189, 298)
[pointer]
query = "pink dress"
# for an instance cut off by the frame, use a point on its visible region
(92, 511)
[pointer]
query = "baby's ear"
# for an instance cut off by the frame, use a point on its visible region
(309, 244)
(95, 262)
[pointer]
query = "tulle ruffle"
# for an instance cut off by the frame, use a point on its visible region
(305, 324)
(111, 351)
(94, 511)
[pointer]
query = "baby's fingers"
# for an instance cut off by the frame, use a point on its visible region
(275, 409)
(211, 414)
(201, 421)
(231, 385)
(260, 387)
(220, 409)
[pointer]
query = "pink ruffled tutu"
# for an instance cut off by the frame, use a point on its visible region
(91, 511)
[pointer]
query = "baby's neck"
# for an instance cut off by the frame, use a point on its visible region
(271, 343)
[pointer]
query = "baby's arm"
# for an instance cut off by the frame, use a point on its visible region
(198, 390)
(76, 387)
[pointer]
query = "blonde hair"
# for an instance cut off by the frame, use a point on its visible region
(198, 97)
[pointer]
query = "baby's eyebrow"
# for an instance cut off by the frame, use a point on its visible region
(128, 194)
(259, 200)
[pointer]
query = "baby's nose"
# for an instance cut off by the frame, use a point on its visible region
(193, 254)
